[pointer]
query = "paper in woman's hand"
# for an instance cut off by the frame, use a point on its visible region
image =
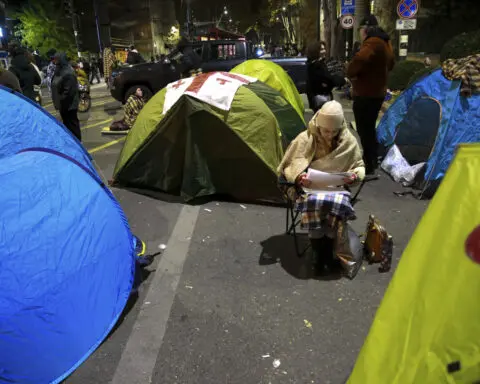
(324, 180)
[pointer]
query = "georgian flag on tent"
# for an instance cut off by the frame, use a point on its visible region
(216, 88)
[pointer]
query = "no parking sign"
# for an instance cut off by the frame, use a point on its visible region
(407, 9)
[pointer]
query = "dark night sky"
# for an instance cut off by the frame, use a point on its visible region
(240, 10)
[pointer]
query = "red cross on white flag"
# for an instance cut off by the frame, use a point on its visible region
(216, 88)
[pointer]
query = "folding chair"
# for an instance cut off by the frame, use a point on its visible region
(292, 219)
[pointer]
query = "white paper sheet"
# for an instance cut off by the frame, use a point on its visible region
(326, 190)
(324, 181)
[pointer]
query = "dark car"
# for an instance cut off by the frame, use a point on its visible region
(217, 55)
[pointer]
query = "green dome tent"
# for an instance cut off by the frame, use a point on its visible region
(183, 145)
(274, 76)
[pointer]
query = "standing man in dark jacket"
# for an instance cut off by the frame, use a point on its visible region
(368, 72)
(65, 94)
(25, 72)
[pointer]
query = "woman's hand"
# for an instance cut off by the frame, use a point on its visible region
(303, 181)
(351, 179)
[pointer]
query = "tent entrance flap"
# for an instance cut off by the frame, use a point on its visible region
(416, 134)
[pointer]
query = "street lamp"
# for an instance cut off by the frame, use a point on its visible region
(284, 9)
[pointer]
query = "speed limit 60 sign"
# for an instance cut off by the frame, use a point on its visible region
(347, 21)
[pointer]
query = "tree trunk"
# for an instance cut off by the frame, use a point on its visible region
(333, 29)
(308, 23)
(328, 24)
(385, 10)
(360, 14)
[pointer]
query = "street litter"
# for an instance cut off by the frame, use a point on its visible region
(147, 302)
(188, 287)
(162, 247)
(308, 324)
(207, 210)
(340, 299)
(276, 363)
(243, 206)
(265, 356)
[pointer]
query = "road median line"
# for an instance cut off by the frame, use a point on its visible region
(96, 124)
(106, 145)
(139, 357)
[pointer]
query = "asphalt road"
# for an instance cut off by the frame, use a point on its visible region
(228, 301)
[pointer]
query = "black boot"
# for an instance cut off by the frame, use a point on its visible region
(332, 263)
(318, 259)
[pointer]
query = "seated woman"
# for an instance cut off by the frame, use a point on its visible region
(320, 81)
(327, 145)
(132, 108)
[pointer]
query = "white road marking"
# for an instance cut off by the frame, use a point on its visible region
(140, 354)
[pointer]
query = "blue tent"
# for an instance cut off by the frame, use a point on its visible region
(66, 251)
(458, 116)
(24, 124)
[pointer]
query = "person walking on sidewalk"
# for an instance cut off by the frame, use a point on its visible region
(368, 72)
(95, 73)
(65, 94)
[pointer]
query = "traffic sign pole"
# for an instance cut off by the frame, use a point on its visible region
(406, 10)
(348, 22)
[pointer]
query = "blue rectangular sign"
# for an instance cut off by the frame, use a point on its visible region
(348, 7)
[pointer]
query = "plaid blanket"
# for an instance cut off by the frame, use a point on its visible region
(468, 70)
(132, 109)
(320, 210)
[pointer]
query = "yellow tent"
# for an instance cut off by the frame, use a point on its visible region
(275, 77)
(427, 329)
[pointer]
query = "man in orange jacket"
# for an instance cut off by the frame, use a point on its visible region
(368, 72)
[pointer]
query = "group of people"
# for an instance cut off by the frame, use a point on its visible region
(329, 146)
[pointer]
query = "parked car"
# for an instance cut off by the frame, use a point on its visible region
(216, 55)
